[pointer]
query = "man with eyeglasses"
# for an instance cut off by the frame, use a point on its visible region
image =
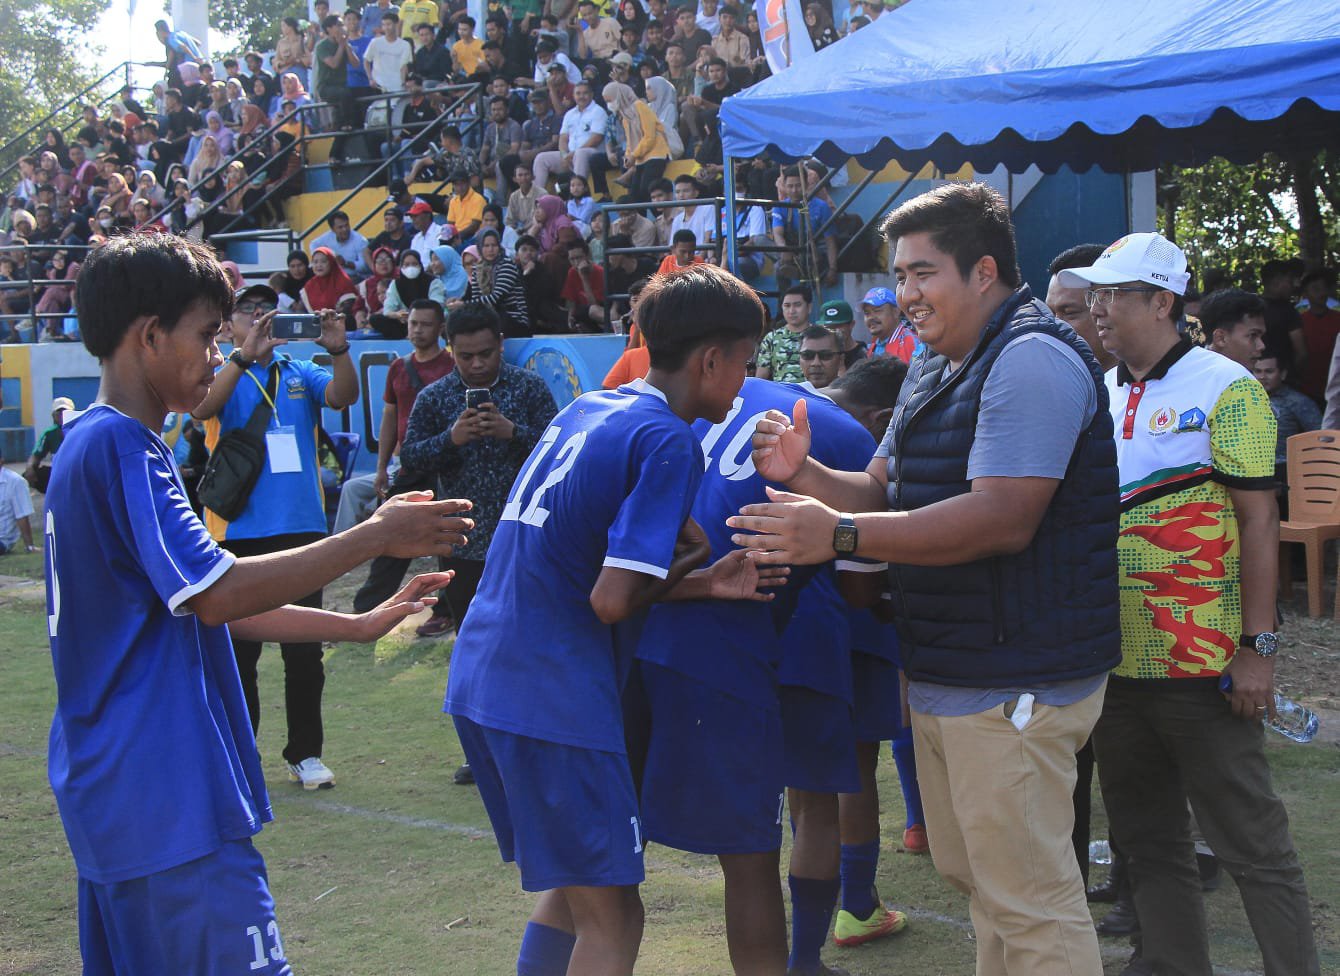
(820, 357)
(1197, 555)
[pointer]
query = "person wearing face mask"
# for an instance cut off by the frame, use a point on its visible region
(411, 284)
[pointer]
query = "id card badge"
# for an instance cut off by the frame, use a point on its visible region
(281, 446)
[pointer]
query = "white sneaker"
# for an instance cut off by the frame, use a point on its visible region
(311, 773)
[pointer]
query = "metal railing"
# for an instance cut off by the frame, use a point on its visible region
(717, 246)
(32, 287)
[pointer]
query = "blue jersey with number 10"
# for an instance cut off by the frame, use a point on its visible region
(609, 484)
(733, 646)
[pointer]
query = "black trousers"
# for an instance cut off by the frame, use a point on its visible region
(1160, 743)
(304, 674)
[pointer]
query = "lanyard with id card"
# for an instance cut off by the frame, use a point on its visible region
(281, 441)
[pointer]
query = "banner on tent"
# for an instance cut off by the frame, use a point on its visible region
(785, 39)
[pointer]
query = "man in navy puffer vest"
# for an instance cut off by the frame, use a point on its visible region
(994, 499)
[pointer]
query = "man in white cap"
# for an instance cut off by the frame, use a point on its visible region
(38, 471)
(1197, 548)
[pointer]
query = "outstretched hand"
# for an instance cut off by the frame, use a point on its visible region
(411, 598)
(737, 577)
(782, 444)
(412, 525)
(790, 529)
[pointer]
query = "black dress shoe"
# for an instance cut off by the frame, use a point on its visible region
(1105, 893)
(464, 776)
(1121, 920)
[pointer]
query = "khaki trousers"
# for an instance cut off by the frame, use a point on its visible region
(999, 815)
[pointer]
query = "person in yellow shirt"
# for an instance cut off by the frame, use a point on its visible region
(465, 210)
(648, 150)
(412, 14)
(468, 49)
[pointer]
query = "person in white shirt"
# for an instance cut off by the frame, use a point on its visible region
(388, 57)
(546, 53)
(427, 233)
(701, 219)
(347, 243)
(580, 139)
(16, 511)
(707, 17)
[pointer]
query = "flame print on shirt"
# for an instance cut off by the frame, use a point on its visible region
(1191, 580)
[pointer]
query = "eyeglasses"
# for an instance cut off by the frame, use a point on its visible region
(254, 308)
(1106, 296)
(806, 355)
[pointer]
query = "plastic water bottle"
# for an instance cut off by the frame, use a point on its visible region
(1100, 852)
(1292, 720)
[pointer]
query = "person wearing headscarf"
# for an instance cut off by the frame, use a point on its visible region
(223, 136)
(449, 276)
(648, 149)
(551, 224)
(329, 287)
(148, 188)
(291, 90)
(206, 161)
(495, 281)
(234, 274)
(410, 285)
(383, 269)
(665, 103)
(299, 273)
(237, 98)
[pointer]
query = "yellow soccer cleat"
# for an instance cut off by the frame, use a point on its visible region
(852, 931)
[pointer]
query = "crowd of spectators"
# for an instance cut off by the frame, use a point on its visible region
(581, 103)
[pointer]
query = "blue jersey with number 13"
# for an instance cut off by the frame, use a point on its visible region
(609, 484)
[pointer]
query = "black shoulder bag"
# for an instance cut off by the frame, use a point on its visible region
(238, 459)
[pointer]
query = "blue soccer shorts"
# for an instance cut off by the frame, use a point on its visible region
(566, 815)
(213, 916)
(876, 698)
(819, 742)
(713, 782)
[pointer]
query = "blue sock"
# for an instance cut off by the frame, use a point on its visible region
(858, 878)
(812, 904)
(545, 951)
(905, 759)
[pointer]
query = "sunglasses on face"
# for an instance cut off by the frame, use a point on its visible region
(809, 355)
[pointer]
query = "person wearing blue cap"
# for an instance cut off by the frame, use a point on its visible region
(890, 335)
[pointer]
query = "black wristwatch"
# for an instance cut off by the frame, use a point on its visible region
(237, 359)
(844, 535)
(1264, 645)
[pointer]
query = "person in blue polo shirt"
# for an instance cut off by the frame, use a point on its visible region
(287, 506)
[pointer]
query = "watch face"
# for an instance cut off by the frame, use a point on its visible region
(844, 538)
(1267, 645)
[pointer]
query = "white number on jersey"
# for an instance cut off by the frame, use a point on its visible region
(532, 513)
(260, 958)
(736, 462)
(53, 618)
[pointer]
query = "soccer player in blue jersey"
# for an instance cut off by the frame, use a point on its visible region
(595, 530)
(714, 777)
(152, 758)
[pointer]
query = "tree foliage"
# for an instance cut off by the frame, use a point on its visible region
(1232, 219)
(256, 22)
(46, 57)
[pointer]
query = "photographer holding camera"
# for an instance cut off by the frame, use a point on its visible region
(284, 508)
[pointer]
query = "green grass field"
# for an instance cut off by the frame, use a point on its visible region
(395, 872)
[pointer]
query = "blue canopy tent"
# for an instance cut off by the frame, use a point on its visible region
(1123, 86)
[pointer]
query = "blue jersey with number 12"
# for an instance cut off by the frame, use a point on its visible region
(609, 484)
